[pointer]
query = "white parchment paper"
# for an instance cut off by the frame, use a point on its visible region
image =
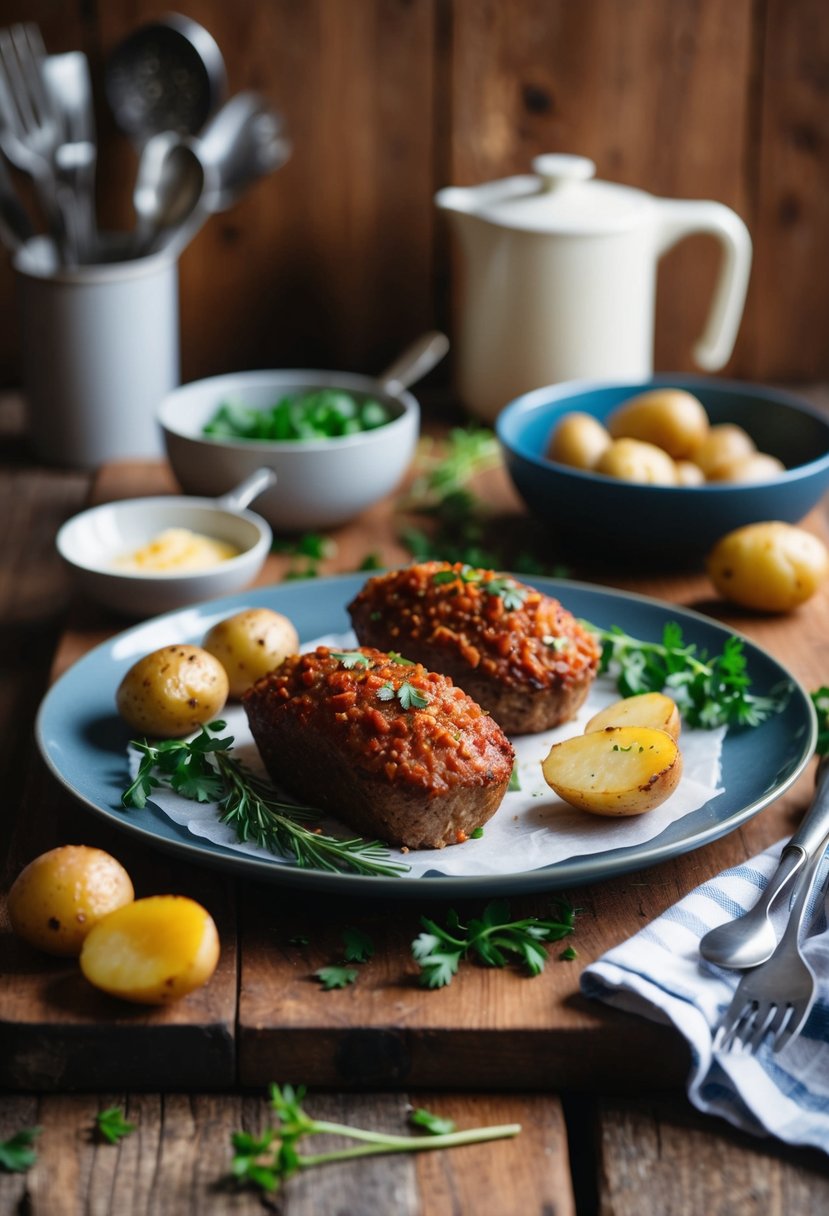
(532, 827)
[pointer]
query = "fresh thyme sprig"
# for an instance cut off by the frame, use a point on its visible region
(709, 690)
(204, 770)
(493, 939)
(267, 1160)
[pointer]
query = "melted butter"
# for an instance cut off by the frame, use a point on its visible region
(176, 549)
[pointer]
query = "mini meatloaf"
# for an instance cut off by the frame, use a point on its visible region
(521, 655)
(394, 750)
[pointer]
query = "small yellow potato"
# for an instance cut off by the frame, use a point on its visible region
(152, 951)
(633, 460)
(172, 691)
(770, 567)
(724, 444)
(757, 466)
(670, 418)
(250, 644)
(61, 895)
(621, 770)
(689, 474)
(652, 709)
(578, 440)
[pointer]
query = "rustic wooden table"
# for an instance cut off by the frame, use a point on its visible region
(599, 1094)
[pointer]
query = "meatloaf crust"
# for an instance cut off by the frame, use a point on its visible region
(520, 654)
(396, 751)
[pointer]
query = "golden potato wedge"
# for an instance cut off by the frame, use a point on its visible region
(152, 951)
(652, 709)
(61, 895)
(621, 770)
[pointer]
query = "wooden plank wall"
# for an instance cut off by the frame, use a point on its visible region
(339, 259)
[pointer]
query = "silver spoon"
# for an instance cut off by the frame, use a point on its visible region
(750, 939)
(168, 190)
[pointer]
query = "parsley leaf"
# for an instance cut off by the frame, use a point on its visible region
(408, 696)
(359, 947)
(351, 658)
(112, 1125)
(436, 1125)
(335, 977)
(17, 1154)
(509, 591)
(493, 939)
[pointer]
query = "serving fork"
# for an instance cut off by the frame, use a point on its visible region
(774, 999)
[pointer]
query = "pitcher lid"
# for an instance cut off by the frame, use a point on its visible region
(564, 197)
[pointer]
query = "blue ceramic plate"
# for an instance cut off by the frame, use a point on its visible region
(84, 742)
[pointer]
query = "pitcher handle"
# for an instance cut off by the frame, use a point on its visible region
(680, 218)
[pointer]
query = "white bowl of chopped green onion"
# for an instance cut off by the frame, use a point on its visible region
(338, 442)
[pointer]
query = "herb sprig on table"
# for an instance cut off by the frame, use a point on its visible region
(710, 690)
(203, 770)
(18, 1154)
(269, 1159)
(493, 939)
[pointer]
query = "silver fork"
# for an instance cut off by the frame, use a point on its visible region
(30, 132)
(775, 998)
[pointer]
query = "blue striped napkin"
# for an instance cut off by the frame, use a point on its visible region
(659, 973)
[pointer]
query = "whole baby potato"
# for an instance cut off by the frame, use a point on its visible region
(60, 896)
(756, 466)
(689, 474)
(172, 691)
(724, 444)
(634, 460)
(578, 440)
(770, 567)
(152, 951)
(250, 644)
(670, 418)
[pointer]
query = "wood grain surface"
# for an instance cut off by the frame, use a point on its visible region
(339, 259)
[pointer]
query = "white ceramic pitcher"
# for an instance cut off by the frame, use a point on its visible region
(560, 279)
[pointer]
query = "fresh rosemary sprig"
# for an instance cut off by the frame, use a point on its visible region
(203, 769)
(271, 1158)
(709, 690)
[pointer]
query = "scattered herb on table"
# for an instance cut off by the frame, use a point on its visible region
(112, 1125)
(311, 547)
(358, 946)
(820, 700)
(568, 954)
(493, 940)
(267, 1160)
(435, 1125)
(17, 1154)
(325, 413)
(335, 977)
(204, 770)
(709, 690)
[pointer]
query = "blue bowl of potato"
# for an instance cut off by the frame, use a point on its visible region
(662, 468)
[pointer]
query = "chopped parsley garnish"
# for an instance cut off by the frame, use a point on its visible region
(112, 1125)
(335, 977)
(408, 696)
(358, 946)
(351, 658)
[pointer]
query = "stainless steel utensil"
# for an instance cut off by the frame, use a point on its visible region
(774, 999)
(16, 227)
(168, 190)
(168, 75)
(68, 85)
(415, 361)
(750, 939)
(242, 143)
(29, 130)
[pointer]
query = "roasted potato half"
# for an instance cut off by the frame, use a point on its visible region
(652, 709)
(618, 771)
